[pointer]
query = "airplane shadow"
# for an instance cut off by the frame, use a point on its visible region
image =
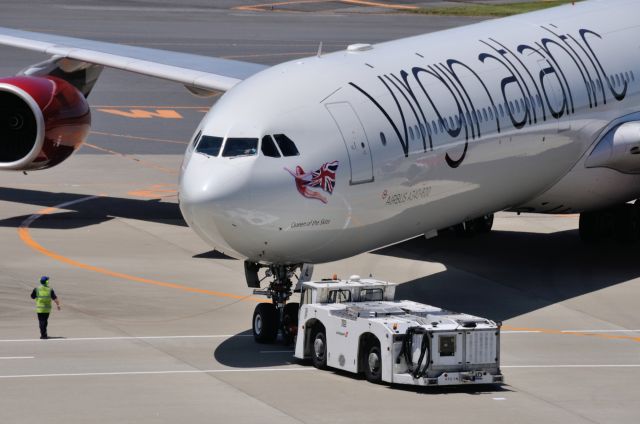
(241, 351)
(505, 274)
(91, 212)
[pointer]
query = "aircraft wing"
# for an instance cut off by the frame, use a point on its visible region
(198, 73)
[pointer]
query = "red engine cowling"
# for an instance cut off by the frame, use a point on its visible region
(43, 120)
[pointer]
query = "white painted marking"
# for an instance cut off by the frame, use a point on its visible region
(600, 331)
(17, 357)
(574, 366)
(568, 331)
(101, 374)
(80, 339)
(276, 351)
(499, 398)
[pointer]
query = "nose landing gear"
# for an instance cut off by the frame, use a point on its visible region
(279, 316)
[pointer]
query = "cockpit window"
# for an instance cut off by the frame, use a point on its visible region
(240, 147)
(209, 145)
(269, 147)
(287, 147)
(195, 140)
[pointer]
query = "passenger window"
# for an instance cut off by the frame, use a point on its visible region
(411, 133)
(371, 295)
(484, 114)
(451, 126)
(240, 147)
(339, 296)
(422, 130)
(501, 109)
(269, 148)
(491, 114)
(633, 77)
(209, 145)
(287, 147)
(417, 131)
(435, 127)
(383, 139)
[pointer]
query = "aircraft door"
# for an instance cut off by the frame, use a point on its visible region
(355, 140)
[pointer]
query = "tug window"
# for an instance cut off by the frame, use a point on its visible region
(209, 145)
(339, 296)
(371, 295)
(240, 147)
(269, 147)
(287, 147)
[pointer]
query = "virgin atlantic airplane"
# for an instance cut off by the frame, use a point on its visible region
(326, 157)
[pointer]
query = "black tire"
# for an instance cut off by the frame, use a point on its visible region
(319, 350)
(290, 322)
(372, 362)
(265, 323)
(484, 223)
(626, 224)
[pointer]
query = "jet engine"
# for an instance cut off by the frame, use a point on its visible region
(43, 120)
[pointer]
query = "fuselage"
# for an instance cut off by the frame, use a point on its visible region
(397, 139)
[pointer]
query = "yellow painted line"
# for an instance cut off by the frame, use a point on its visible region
(145, 163)
(269, 6)
(144, 114)
(572, 333)
(133, 137)
(25, 236)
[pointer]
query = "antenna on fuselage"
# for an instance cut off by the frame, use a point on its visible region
(320, 49)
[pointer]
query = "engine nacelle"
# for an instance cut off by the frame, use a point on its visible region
(43, 120)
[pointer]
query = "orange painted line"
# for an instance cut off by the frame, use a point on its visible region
(144, 114)
(144, 107)
(25, 236)
(155, 191)
(267, 6)
(144, 163)
(134, 137)
(572, 333)
(378, 4)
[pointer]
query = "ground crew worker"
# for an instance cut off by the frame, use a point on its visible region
(43, 296)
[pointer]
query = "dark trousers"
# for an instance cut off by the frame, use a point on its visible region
(43, 320)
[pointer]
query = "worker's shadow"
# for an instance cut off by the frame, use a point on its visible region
(241, 351)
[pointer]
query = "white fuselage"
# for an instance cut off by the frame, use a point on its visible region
(420, 134)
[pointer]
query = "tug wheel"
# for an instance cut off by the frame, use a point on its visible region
(265, 323)
(373, 363)
(319, 350)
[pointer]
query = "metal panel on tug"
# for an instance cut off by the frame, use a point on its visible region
(355, 141)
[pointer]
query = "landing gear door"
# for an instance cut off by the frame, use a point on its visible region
(355, 141)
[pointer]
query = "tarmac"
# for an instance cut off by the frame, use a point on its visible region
(155, 327)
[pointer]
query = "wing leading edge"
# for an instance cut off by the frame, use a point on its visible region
(194, 71)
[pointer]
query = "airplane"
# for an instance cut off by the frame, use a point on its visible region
(326, 157)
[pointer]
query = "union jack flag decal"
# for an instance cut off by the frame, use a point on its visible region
(323, 178)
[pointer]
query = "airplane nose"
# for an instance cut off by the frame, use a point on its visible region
(209, 188)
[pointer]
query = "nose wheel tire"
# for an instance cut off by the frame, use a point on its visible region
(265, 323)
(319, 350)
(373, 364)
(290, 322)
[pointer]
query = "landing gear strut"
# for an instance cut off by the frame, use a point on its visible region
(475, 226)
(279, 315)
(621, 223)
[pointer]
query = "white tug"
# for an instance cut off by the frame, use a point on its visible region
(356, 325)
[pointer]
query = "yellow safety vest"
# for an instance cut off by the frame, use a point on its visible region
(43, 300)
